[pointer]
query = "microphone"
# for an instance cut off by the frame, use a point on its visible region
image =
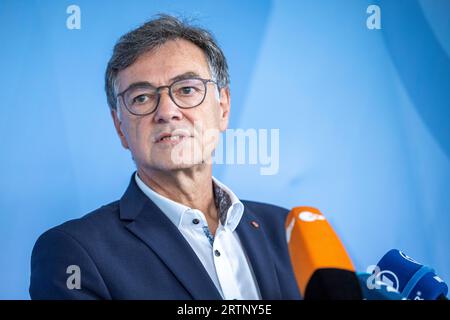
(322, 267)
(412, 279)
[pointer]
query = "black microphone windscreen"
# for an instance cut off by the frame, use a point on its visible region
(333, 284)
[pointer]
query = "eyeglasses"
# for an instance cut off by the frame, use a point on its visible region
(142, 99)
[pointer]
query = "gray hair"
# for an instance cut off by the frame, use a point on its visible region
(155, 33)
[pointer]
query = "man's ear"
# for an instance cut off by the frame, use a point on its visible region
(117, 125)
(225, 104)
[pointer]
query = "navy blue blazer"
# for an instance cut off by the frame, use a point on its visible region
(129, 249)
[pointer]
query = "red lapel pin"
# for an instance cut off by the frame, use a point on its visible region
(255, 224)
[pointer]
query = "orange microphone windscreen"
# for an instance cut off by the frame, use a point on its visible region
(313, 245)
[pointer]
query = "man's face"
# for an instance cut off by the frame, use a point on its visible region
(194, 131)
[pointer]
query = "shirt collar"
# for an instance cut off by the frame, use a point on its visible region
(235, 210)
(229, 206)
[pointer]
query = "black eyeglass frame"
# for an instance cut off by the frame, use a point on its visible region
(169, 87)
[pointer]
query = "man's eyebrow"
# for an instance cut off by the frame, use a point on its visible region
(146, 84)
(140, 84)
(186, 75)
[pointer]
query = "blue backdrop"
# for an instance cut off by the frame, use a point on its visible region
(363, 117)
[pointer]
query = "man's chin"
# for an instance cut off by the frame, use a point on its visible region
(177, 164)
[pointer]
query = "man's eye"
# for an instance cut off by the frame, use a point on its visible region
(187, 90)
(140, 99)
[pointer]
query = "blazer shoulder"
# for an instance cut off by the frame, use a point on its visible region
(265, 210)
(100, 218)
(90, 228)
(272, 216)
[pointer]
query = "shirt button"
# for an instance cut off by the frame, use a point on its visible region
(217, 253)
(195, 221)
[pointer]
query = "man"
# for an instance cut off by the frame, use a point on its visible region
(177, 232)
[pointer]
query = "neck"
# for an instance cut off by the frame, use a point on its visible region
(191, 187)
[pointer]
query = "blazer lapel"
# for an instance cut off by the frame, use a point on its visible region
(253, 239)
(152, 226)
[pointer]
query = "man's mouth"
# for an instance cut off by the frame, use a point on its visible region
(171, 137)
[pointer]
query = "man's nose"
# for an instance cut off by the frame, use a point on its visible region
(167, 110)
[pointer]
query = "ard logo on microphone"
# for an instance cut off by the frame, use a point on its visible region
(379, 278)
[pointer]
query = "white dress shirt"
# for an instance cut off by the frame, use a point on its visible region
(222, 256)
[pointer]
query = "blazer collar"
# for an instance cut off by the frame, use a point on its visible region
(152, 226)
(254, 240)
